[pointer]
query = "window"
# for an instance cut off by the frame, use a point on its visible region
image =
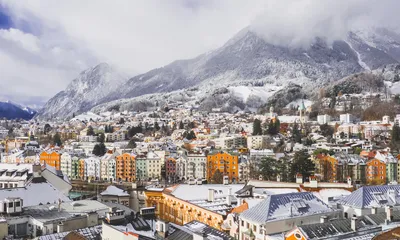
(10, 204)
(18, 204)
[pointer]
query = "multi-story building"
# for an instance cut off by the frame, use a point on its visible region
(170, 168)
(81, 169)
(338, 167)
(66, 164)
(141, 167)
(125, 167)
(181, 168)
(107, 168)
(51, 158)
(224, 162)
(257, 142)
(196, 165)
(75, 167)
(230, 142)
(279, 213)
(376, 171)
(92, 168)
(154, 165)
(115, 136)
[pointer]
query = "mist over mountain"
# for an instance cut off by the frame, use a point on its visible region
(247, 66)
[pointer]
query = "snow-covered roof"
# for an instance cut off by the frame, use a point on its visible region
(114, 191)
(199, 192)
(282, 206)
(35, 193)
(373, 196)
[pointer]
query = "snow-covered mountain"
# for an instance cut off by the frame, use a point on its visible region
(11, 110)
(246, 67)
(92, 87)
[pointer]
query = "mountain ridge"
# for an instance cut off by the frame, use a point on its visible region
(244, 60)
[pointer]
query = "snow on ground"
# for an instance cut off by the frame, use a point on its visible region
(324, 194)
(360, 61)
(197, 192)
(87, 116)
(263, 92)
(297, 102)
(395, 88)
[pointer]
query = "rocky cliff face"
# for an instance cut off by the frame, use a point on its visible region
(92, 87)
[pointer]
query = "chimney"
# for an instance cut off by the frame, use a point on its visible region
(228, 198)
(323, 219)
(354, 223)
(374, 210)
(349, 182)
(299, 178)
(37, 170)
(162, 228)
(389, 213)
(211, 195)
(59, 204)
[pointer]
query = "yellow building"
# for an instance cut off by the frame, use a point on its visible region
(178, 211)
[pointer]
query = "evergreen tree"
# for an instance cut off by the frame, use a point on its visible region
(131, 144)
(156, 126)
(57, 139)
(191, 135)
(217, 177)
(302, 164)
(90, 131)
(257, 127)
(181, 126)
(395, 134)
(268, 168)
(121, 121)
(47, 128)
(296, 133)
(101, 138)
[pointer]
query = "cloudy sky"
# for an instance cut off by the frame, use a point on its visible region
(46, 43)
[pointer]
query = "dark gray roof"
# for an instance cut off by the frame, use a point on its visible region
(186, 231)
(332, 228)
(281, 206)
(373, 196)
(90, 233)
(380, 218)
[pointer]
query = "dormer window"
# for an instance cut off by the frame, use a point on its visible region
(379, 197)
(299, 204)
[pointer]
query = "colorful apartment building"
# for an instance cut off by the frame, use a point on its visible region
(338, 167)
(81, 169)
(170, 168)
(125, 167)
(225, 162)
(51, 158)
(376, 172)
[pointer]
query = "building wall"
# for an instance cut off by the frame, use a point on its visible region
(125, 167)
(225, 162)
(72, 224)
(53, 159)
(376, 171)
(172, 209)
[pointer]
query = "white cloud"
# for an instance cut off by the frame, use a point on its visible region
(27, 41)
(136, 36)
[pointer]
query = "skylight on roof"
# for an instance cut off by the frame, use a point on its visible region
(299, 203)
(380, 197)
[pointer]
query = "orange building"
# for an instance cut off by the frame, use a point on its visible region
(126, 167)
(52, 159)
(376, 172)
(82, 168)
(227, 164)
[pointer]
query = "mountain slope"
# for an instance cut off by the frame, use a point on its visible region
(245, 60)
(90, 88)
(11, 110)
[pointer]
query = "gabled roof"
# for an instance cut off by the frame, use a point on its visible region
(372, 196)
(281, 206)
(114, 191)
